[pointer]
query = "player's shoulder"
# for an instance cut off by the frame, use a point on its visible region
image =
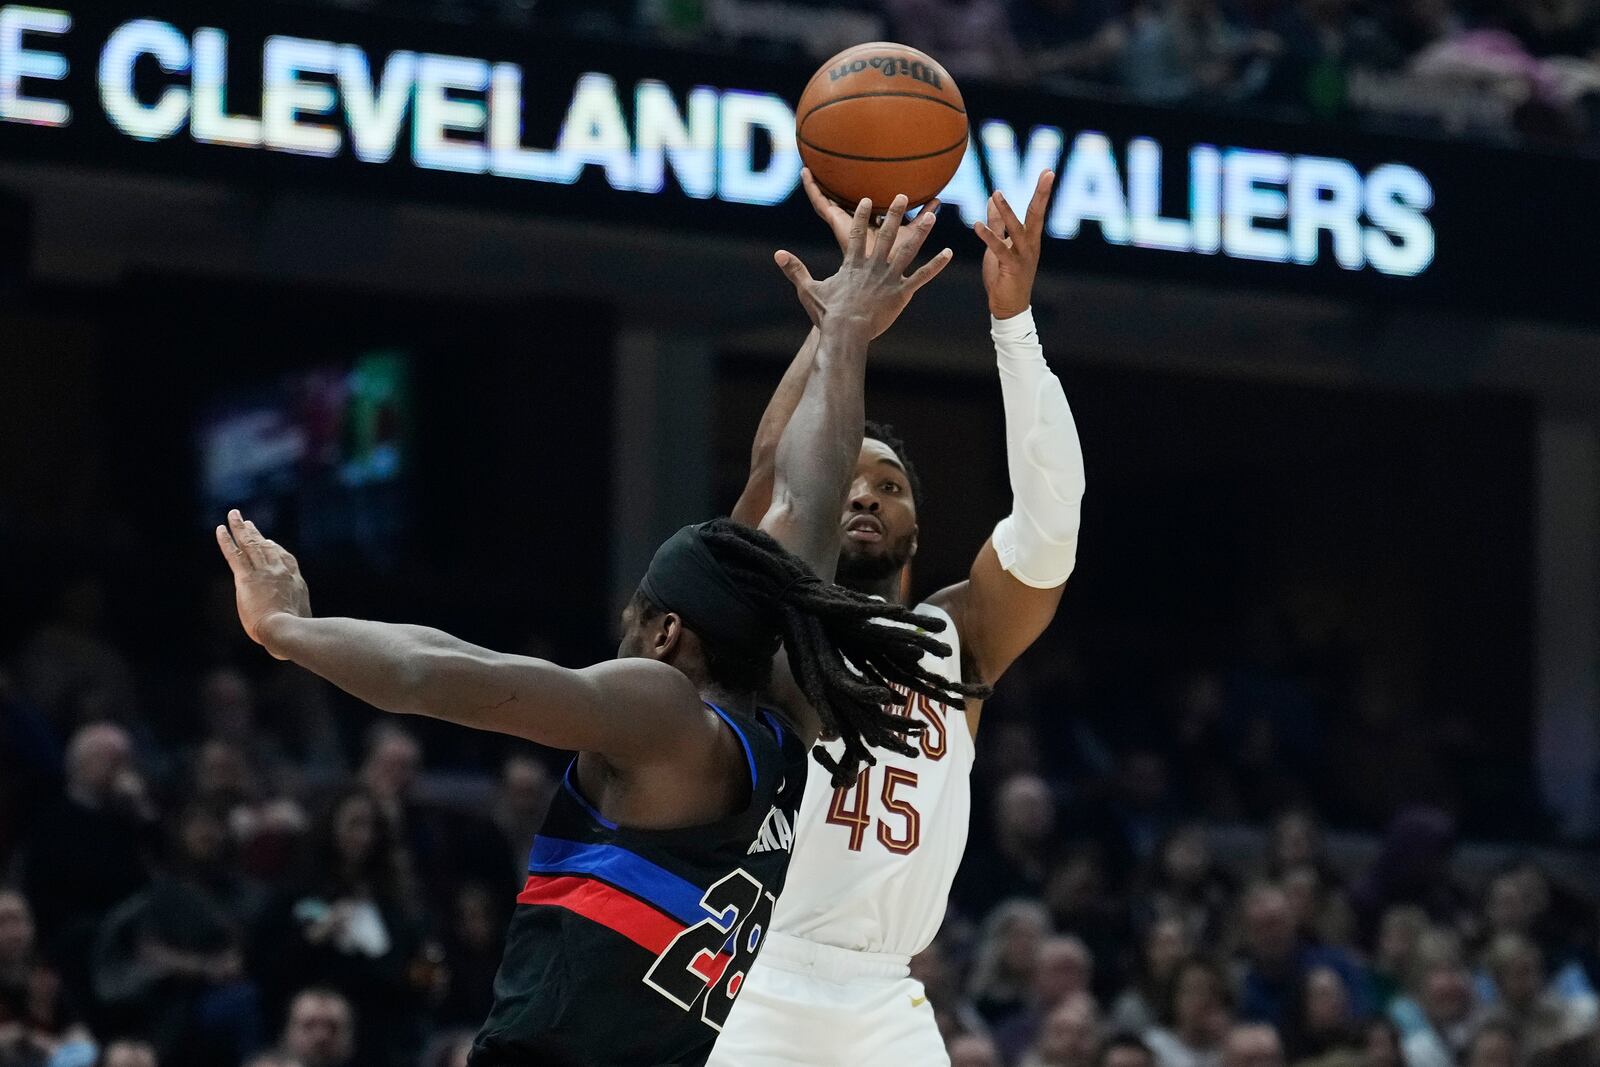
(646, 675)
(649, 687)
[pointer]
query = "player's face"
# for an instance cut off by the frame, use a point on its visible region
(652, 637)
(634, 637)
(878, 530)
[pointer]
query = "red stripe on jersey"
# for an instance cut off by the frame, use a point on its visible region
(615, 910)
(600, 903)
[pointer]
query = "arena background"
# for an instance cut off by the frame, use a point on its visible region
(1341, 547)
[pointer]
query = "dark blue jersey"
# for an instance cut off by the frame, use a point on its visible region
(628, 946)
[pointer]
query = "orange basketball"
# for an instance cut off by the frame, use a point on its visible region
(878, 120)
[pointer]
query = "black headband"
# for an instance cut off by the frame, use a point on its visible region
(686, 579)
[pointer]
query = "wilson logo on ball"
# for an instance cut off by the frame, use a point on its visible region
(889, 67)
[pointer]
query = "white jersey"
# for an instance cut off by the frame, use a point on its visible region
(873, 863)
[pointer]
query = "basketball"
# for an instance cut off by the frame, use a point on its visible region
(878, 120)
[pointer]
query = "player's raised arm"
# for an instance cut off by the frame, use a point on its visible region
(1016, 582)
(820, 442)
(757, 493)
(621, 709)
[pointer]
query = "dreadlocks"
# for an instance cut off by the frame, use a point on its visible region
(843, 657)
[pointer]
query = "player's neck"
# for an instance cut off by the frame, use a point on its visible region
(728, 700)
(885, 588)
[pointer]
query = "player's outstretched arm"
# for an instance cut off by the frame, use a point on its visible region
(623, 709)
(820, 442)
(1016, 582)
(757, 494)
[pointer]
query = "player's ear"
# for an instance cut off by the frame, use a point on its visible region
(667, 637)
(915, 531)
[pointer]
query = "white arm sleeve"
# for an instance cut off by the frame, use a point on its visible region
(1038, 542)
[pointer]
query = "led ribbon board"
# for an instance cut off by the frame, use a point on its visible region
(679, 139)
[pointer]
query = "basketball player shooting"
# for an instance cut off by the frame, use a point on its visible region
(652, 881)
(875, 857)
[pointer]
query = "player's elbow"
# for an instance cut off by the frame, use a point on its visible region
(764, 453)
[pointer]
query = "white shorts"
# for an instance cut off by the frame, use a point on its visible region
(810, 1005)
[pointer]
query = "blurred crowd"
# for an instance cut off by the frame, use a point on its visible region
(263, 873)
(1519, 71)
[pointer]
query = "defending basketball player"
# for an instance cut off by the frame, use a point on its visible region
(652, 881)
(875, 858)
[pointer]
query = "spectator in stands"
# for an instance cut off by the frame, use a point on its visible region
(1277, 959)
(1494, 1045)
(1063, 970)
(1412, 868)
(354, 924)
(1252, 1045)
(1144, 1000)
(204, 854)
(1204, 755)
(1195, 1017)
(941, 984)
(1131, 821)
(1297, 840)
(299, 708)
(1542, 1017)
(972, 38)
(973, 1050)
(526, 787)
(1513, 902)
(1125, 1050)
(227, 704)
(1322, 1026)
(1188, 50)
(129, 1054)
(1187, 884)
(1381, 1045)
(1521, 901)
(1413, 25)
(272, 1059)
(87, 848)
(445, 847)
(1070, 40)
(35, 1020)
(264, 833)
(449, 1050)
(222, 778)
(321, 1030)
(389, 771)
(1079, 897)
(472, 949)
(1302, 886)
(70, 670)
(1398, 937)
(1008, 952)
(1322, 913)
(1449, 1013)
(169, 965)
(1321, 41)
(1015, 861)
(1069, 1037)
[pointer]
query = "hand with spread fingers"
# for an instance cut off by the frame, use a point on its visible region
(1012, 258)
(871, 288)
(839, 220)
(266, 577)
